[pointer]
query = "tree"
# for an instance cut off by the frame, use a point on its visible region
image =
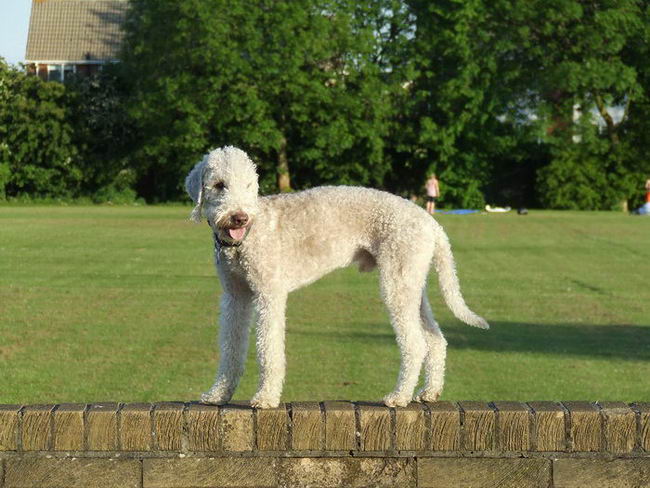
(452, 102)
(292, 82)
(570, 63)
(491, 78)
(103, 133)
(635, 131)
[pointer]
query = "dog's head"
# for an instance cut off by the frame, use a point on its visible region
(224, 186)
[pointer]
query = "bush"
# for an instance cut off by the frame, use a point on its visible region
(586, 172)
(36, 146)
(120, 191)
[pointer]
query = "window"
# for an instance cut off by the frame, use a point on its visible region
(59, 72)
(55, 72)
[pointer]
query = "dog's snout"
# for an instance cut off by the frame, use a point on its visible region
(240, 219)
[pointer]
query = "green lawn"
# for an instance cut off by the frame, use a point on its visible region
(100, 303)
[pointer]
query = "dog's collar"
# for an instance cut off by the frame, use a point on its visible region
(218, 243)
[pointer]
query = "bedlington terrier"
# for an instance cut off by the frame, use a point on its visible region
(267, 246)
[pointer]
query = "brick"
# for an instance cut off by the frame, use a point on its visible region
(586, 426)
(619, 473)
(38, 472)
(250, 472)
(136, 427)
(479, 426)
(308, 432)
(203, 427)
(484, 472)
(619, 426)
(68, 420)
(445, 426)
(9, 427)
(168, 426)
(272, 429)
(375, 424)
(36, 428)
(644, 418)
(101, 427)
(513, 426)
(549, 429)
(410, 428)
(347, 472)
(237, 428)
(340, 426)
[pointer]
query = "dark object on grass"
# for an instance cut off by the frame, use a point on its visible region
(522, 211)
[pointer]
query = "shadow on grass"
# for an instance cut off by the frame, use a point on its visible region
(631, 342)
(622, 342)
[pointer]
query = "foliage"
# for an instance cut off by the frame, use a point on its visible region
(103, 134)
(290, 81)
(635, 132)
(452, 119)
(586, 173)
(508, 102)
(65, 141)
(492, 78)
(5, 172)
(38, 155)
(570, 63)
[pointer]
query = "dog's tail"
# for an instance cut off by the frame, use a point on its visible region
(443, 261)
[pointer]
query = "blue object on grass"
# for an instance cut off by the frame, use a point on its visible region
(643, 209)
(458, 211)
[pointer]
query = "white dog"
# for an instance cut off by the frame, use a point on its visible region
(266, 247)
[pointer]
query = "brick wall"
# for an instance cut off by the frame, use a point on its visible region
(466, 444)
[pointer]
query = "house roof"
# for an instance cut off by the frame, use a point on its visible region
(75, 30)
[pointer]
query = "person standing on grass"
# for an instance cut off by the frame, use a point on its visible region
(433, 192)
(647, 191)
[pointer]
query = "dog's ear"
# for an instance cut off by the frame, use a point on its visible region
(194, 187)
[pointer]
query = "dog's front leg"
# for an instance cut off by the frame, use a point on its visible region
(270, 349)
(235, 320)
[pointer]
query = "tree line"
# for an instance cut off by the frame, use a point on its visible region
(536, 103)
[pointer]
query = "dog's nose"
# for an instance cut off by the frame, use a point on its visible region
(240, 219)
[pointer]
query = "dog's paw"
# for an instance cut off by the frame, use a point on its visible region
(396, 400)
(264, 402)
(213, 398)
(427, 396)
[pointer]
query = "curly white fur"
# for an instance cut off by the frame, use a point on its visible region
(291, 240)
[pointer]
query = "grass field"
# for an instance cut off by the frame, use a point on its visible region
(100, 303)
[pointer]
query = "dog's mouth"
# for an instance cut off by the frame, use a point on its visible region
(231, 236)
(231, 231)
(237, 234)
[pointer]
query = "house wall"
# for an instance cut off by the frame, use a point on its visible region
(44, 70)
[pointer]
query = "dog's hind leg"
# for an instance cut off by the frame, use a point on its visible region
(270, 349)
(402, 298)
(434, 362)
(235, 321)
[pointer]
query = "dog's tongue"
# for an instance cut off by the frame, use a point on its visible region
(237, 234)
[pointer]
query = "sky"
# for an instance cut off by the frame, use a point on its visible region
(14, 23)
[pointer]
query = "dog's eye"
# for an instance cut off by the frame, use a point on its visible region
(219, 185)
